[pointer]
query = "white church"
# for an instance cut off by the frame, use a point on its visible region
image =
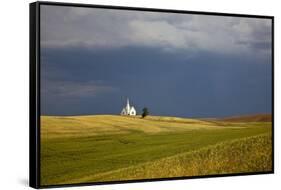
(128, 110)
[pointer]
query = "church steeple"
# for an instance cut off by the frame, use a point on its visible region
(128, 103)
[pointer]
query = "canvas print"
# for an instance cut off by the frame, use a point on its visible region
(135, 95)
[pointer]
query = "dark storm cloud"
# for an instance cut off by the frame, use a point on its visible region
(262, 45)
(182, 65)
(102, 28)
(71, 89)
(203, 85)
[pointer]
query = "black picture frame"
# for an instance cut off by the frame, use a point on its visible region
(34, 97)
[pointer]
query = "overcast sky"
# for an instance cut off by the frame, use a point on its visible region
(174, 64)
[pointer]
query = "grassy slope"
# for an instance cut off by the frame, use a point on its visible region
(236, 156)
(94, 148)
(250, 118)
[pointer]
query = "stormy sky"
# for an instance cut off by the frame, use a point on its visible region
(175, 64)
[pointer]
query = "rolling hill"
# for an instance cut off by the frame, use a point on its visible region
(250, 118)
(77, 149)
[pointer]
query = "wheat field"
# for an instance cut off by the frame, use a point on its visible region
(94, 148)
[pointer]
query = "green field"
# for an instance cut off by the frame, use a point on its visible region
(79, 149)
